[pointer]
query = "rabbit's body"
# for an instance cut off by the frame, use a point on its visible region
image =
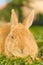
(4, 31)
(18, 40)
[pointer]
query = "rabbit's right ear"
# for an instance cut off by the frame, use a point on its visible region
(14, 19)
(29, 19)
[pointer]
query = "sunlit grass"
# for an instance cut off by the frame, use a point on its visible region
(38, 34)
(19, 61)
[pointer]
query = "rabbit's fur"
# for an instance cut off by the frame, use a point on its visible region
(16, 39)
(4, 31)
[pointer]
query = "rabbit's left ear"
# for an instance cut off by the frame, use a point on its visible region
(14, 19)
(29, 19)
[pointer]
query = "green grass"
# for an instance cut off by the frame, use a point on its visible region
(38, 34)
(19, 61)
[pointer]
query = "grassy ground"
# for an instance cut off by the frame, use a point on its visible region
(38, 34)
(20, 61)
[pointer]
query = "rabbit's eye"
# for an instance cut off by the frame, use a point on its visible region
(12, 37)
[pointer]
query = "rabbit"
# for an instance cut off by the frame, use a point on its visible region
(18, 40)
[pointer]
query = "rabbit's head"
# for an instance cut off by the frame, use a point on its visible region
(20, 41)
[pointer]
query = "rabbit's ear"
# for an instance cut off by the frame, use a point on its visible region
(14, 19)
(29, 19)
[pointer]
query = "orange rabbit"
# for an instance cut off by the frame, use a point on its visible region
(17, 38)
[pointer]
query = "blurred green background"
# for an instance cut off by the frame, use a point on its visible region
(22, 8)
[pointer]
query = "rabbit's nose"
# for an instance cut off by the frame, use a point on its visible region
(22, 51)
